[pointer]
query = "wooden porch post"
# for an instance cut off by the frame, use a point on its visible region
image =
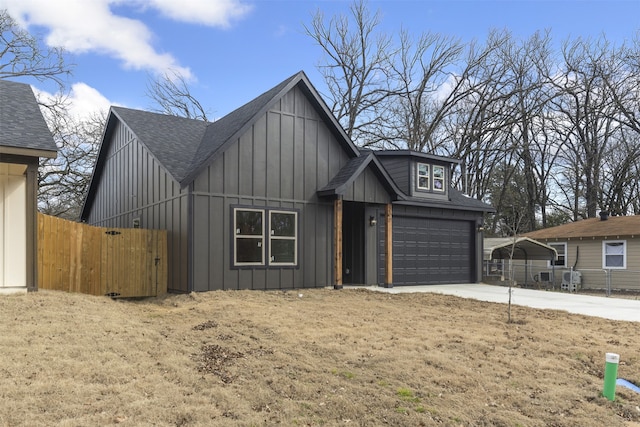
(388, 247)
(337, 242)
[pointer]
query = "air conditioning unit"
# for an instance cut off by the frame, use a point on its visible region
(545, 276)
(571, 280)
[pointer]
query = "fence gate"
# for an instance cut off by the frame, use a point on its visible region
(76, 257)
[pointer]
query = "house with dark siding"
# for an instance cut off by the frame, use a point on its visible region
(275, 195)
(24, 139)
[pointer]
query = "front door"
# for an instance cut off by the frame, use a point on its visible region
(353, 229)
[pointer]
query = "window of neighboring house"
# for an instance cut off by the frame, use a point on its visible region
(253, 240)
(423, 176)
(561, 249)
(614, 254)
(438, 178)
(283, 241)
(249, 236)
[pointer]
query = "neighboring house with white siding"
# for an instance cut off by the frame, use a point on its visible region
(24, 138)
(604, 251)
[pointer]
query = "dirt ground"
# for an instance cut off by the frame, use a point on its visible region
(307, 357)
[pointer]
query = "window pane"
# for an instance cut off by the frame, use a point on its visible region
(248, 223)
(283, 251)
(283, 224)
(423, 170)
(438, 184)
(614, 248)
(560, 249)
(249, 251)
(614, 255)
(438, 172)
(423, 182)
(614, 261)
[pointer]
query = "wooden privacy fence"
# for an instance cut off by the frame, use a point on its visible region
(118, 262)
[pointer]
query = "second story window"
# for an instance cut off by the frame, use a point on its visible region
(438, 178)
(423, 176)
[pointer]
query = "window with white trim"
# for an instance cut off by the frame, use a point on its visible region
(438, 178)
(614, 254)
(561, 249)
(423, 176)
(283, 242)
(249, 237)
(255, 244)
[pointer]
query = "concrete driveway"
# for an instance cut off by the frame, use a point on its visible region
(608, 308)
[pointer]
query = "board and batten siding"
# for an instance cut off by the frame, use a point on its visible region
(278, 163)
(367, 188)
(399, 169)
(141, 188)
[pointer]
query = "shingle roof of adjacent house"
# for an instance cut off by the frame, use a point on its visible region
(593, 227)
(22, 127)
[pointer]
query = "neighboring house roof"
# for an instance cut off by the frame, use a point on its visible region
(23, 130)
(614, 227)
(525, 248)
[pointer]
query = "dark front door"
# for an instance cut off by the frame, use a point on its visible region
(353, 227)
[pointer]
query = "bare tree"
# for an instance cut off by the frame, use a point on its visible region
(21, 54)
(587, 110)
(172, 95)
(355, 70)
(424, 92)
(64, 181)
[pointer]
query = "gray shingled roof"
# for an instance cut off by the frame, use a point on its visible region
(352, 170)
(21, 122)
(457, 200)
(221, 131)
(186, 146)
(172, 140)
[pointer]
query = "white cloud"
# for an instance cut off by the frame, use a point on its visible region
(87, 100)
(217, 13)
(83, 101)
(90, 26)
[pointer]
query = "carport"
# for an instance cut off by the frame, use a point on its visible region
(498, 249)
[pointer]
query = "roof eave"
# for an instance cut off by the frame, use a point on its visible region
(29, 152)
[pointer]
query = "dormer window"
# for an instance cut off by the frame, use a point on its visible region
(430, 177)
(423, 176)
(438, 178)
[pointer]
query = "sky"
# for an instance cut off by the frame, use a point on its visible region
(231, 51)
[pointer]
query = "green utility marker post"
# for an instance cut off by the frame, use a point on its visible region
(610, 375)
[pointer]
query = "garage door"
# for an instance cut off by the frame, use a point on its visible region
(429, 251)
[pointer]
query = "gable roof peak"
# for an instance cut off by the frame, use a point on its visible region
(23, 129)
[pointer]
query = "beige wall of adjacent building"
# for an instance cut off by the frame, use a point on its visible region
(585, 255)
(13, 228)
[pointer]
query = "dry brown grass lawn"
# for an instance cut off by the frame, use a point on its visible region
(350, 357)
